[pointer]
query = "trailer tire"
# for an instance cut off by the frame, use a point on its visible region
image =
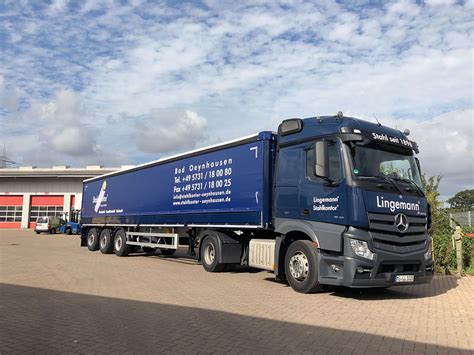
(210, 255)
(68, 231)
(167, 252)
(106, 244)
(301, 267)
(92, 239)
(121, 247)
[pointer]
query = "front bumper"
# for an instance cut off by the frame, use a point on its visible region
(353, 271)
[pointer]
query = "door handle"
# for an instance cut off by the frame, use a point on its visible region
(304, 211)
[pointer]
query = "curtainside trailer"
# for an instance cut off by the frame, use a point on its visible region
(327, 200)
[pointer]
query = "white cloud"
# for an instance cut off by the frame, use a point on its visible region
(166, 131)
(446, 147)
(74, 141)
(9, 96)
(440, 2)
(62, 130)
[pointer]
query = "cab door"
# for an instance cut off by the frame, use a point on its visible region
(323, 200)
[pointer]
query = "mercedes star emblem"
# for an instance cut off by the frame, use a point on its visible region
(401, 222)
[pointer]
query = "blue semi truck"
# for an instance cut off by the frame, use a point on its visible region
(327, 200)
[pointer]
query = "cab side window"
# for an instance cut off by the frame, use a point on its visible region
(334, 163)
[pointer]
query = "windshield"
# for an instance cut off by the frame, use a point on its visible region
(381, 160)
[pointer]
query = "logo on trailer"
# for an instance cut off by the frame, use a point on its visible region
(101, 198)
(401, 222)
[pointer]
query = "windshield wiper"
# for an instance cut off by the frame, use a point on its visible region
(386, 179)
(411, 183)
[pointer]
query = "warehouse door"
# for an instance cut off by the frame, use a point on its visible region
(43, 206)
(11, 208)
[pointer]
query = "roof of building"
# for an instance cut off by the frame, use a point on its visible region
(61, 171)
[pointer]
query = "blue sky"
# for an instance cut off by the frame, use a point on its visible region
(123, 82)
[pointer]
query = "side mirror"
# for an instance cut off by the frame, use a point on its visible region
(321, 162)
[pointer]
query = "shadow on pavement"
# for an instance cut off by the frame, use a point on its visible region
(439, 285)
(182, 257)
(37, 320)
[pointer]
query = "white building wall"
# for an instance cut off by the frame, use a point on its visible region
(52, 186)
(28, 187)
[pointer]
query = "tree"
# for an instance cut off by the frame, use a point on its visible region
(439, 217)
(440, 231)
(463, 200)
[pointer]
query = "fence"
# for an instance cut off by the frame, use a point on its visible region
(464, 219)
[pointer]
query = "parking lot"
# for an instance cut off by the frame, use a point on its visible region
(57, 297)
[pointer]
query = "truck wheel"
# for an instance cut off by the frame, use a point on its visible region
(121, 247)
(68, 231)
(167, 251)
(92, 240)
(37, 232)
(149, 250)
(301, 267)
(210, 255)
(53, 230)
(106, 244)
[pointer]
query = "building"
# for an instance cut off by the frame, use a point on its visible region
(28, 192)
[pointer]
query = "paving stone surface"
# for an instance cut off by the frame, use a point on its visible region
(59, 298)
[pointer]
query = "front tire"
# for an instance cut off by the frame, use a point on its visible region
(68, 231)
(53, 230)
(301, 267)
(92, 239)
(121, 247)
(106, 244)
(210, 255)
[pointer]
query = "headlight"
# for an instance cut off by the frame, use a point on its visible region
(360, 248)
(428, 254)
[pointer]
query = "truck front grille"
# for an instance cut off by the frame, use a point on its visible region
(385, 235)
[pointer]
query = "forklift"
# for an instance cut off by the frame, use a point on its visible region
(72, 225)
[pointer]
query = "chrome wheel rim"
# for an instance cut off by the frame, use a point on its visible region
(299, 266)
(209, 254)
(118, 243)
(91, 239)
(103, 242)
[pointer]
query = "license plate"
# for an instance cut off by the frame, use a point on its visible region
(404, 278)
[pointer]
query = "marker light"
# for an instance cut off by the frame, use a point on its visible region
(360, 248)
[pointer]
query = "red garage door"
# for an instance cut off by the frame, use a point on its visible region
(42, 206)
(11, 208)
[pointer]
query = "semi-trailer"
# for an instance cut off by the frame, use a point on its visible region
(327, 200)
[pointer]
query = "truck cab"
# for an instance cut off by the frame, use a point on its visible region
(352, 189)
